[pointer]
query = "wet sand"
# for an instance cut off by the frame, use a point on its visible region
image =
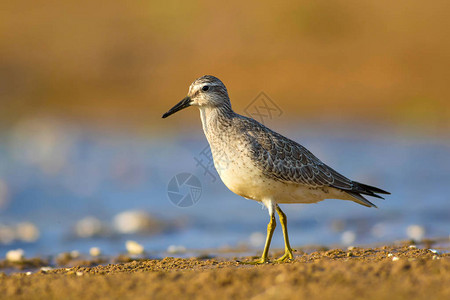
(370, 273)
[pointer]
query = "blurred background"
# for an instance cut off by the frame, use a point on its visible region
(85, 158)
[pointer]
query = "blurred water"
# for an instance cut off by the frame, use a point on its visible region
(54, 175)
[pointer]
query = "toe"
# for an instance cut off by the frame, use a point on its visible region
(286, 257)
(255, 262)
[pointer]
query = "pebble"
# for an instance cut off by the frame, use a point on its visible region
(395, 258)
(348, 237)
(27, 232)
(46, 269)
(79, 273)
(415, 232)
(15, 255)
(172, 249)
(134, 247)
(74, 254)
(412, 247)
(129, 222)
(89, 227)
(95, 251)
(24, 231)
(7, 234)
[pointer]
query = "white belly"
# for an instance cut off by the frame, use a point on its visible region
(246, 180)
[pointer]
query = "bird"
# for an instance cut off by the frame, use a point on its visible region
(260, 164)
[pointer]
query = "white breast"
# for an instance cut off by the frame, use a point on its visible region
(242, 177)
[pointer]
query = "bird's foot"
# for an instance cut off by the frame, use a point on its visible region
(262, 260)
(286, 257)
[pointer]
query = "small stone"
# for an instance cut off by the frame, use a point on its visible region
(131, 222)
(95, 251)
(348, 237)
(390, 255)
(415, 232)
(7, 235)
(28, 273)
(433, 250)
(15, 255)
(46, 269)
(89, 227)
(134, 247)
(412, 246)
(79, 273)
(27, 232)
(74, 254)
(436, 257)
(173, 249)
(395, 258)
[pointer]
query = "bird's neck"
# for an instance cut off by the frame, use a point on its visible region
(215, 118)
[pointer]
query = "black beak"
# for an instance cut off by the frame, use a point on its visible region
(186, 102)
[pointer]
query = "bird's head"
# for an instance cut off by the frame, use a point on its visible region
(206, 91)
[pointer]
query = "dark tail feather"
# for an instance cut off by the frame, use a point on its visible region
(364, 189)
(361, 200)
(372, 189)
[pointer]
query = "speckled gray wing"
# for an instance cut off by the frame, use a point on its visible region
(283, 159)
(286, 160)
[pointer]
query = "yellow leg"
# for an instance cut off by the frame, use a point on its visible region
(287, 247)
(270, 229)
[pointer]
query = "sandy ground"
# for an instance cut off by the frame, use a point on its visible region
(372, 273)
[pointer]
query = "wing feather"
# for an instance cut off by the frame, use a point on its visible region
(289, 161)
(286, 160)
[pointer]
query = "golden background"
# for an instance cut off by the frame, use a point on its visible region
(118, 63)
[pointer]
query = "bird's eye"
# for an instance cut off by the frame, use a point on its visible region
(205, 88)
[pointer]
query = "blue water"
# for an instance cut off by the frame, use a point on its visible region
(53, 175)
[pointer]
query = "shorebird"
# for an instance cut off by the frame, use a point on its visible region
(260, 164)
